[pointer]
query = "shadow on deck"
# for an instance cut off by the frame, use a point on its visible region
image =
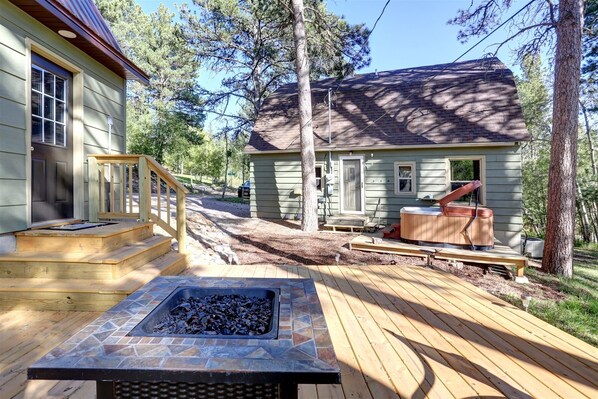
(406, 332)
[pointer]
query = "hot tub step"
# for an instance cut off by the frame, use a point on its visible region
(83, 295)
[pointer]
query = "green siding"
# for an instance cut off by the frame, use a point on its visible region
(103, 94)
(275, 176)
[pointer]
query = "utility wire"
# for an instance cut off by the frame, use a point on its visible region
(329, 95)
(365, 43)
(456, 59)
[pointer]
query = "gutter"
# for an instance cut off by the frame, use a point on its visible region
(384, 148)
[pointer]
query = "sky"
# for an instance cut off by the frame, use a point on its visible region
(410, 32)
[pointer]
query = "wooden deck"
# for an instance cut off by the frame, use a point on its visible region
(499, 255)
(406, 332)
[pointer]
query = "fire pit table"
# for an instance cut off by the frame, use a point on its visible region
(128, 359)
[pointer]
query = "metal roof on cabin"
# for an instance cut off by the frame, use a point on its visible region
(460, 103)
(87, 12)
(93, 34)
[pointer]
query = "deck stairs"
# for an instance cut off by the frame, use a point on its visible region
(352, 223)
(85, 270)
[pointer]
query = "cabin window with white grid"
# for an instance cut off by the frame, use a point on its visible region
(48, 107)
(404, 178)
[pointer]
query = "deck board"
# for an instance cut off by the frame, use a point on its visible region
(570, 368)
(398, 331)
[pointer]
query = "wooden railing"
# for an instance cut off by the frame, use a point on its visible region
(136, 187)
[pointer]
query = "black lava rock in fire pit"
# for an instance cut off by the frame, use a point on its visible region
(218, 315)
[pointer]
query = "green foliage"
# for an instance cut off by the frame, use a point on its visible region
(535, 192)
(462, 170)
(250, 43)
(535, 103)
(535, 97)
(166, 117)
(577, 312)
(590, 41)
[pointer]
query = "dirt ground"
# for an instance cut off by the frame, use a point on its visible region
(223, 232)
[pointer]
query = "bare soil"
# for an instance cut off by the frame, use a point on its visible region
(223, 232)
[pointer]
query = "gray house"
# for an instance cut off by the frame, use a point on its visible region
(395, 139)
(62, 96)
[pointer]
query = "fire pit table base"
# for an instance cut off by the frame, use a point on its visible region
(175, 390)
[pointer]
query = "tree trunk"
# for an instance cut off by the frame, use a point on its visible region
(583, 216)
(586, 120)
(309, 206)
(560, 223)
(226, 164)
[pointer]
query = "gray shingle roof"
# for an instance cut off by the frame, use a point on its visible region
(466, 102)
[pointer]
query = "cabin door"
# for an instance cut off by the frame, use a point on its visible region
(352, 185)
(51, 141)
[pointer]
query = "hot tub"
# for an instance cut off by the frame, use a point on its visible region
(460, 226)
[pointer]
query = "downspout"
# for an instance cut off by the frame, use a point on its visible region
(110, 121)
(329, 151)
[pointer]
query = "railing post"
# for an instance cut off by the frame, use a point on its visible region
(145, 191)
(94, 188)
(181, 220)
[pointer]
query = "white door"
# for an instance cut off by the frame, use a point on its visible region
(352, 185)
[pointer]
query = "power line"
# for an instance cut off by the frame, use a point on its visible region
(494, 30)
(456, 59)
(366, 41)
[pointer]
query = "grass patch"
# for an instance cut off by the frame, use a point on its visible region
(183, 179)
(576, 309)
(235, 200)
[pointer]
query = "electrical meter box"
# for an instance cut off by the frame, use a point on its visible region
(329, 177)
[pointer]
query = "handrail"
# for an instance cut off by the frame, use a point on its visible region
(114, 198)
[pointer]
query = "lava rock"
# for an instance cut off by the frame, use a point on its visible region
(218, 315)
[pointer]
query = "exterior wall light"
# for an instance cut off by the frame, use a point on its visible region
(67, 33)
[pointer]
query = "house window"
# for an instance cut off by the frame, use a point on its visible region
(319, 170)
(404, 178)
(48, 107)
(463, 171)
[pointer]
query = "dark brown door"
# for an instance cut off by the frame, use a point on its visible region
(51, 141)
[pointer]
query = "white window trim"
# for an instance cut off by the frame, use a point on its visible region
(481, 158)
(413, 190)
(341, 187)
(322, 178)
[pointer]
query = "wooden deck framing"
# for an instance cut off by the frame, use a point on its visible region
(407, 332)
(499, 255)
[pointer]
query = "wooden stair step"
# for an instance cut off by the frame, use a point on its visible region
(102, 239)
(80, 294)
(348, 220)
(63, 265)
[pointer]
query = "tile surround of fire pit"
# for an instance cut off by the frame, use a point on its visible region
(104, 350)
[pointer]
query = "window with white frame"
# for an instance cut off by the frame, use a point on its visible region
(462, 171)
(319, 171)
(48, 107)
(404, 178)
